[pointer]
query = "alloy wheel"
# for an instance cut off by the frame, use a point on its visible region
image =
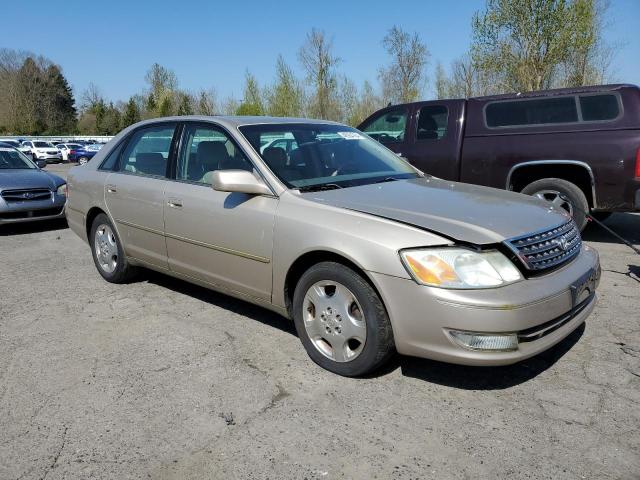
(106, 248)
(556, 199)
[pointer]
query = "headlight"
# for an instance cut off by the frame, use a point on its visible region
(62, 190)
(459, 268)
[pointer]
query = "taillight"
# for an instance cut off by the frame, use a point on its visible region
(638, 163)
(72, 152)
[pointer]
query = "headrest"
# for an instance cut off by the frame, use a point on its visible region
(152, 163)
(275, 157)
(211, 154)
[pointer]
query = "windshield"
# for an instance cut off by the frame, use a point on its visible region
(11, 158)
(317, 156)
(42, 145)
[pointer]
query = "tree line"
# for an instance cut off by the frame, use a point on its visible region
(517, 45)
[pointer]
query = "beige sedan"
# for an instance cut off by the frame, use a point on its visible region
(366, 254)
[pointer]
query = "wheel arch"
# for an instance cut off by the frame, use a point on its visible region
(311, 258)
(91, 215)
(574, 171)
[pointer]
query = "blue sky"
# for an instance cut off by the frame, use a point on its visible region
(211, 44)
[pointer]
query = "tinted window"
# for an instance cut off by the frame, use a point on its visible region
(388, 127)
(532, 112)
(599, 107)
(432, 122)
(205, 150)
(148, 151)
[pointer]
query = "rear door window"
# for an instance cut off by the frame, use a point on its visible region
(147, 151)
(432, 122)
(599, 107)
(388, 127)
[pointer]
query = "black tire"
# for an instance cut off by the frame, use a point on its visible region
(379, 345)
(82, 160)
(123, 272)
(570, 191)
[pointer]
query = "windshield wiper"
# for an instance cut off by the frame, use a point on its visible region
(388, 179)
(317, 188)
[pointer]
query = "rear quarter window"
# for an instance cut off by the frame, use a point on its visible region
(599, 107)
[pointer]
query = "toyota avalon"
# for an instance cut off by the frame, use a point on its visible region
(367, 255)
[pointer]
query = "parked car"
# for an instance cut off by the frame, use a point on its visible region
(365, 253)
(11, 142)
(578, 148)
(82, 154)
(39, 150)
(27, 192)
(65, 148)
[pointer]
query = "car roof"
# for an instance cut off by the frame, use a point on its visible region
(232, 121)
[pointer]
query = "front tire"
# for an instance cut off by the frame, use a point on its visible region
(108, 253)
(341, 321)
(562, 194)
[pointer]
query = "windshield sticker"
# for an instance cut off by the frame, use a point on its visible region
(350, 135)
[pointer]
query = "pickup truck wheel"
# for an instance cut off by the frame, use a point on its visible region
(561, 194)
(341, 321)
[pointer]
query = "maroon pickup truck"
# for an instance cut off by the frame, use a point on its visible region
(578, 148)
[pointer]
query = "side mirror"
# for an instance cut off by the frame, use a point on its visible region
(41, 163)
(239, 181)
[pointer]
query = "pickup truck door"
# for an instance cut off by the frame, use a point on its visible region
(389, 127)
(433, 140)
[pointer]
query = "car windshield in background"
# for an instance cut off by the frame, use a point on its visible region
(317, 156)
(42, 145)
(13, 159)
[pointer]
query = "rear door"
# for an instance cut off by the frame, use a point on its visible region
(433, 141)
(135, 193)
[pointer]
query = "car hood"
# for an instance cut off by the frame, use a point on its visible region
(463, 212)
(21, 178)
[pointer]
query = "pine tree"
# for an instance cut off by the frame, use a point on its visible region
(131, 113)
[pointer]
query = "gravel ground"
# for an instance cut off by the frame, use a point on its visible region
(161, 379)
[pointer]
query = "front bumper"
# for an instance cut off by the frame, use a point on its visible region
(29, 211)
(422, 317)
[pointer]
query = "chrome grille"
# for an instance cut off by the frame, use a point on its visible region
(26, 195)
(549, 248)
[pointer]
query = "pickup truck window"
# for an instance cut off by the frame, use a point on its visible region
(432, 122)
(388, 127)
(599, 107)
(543, 111)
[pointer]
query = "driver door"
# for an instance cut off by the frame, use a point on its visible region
(389, 127)
(222, 238)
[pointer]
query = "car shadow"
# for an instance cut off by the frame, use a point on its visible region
(220, 300)
(482, 378)
(626, 225)
(26, 228)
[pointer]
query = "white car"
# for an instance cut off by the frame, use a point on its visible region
(65, 148)
(40, 150)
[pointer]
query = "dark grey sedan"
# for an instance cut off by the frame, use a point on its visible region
(27, 192)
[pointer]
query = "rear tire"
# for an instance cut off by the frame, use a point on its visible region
(82, 160)
(552, 189)
(108, 253)
(349, 337)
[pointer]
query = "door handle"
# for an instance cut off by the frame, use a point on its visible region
(175, 203)
(111, 188)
